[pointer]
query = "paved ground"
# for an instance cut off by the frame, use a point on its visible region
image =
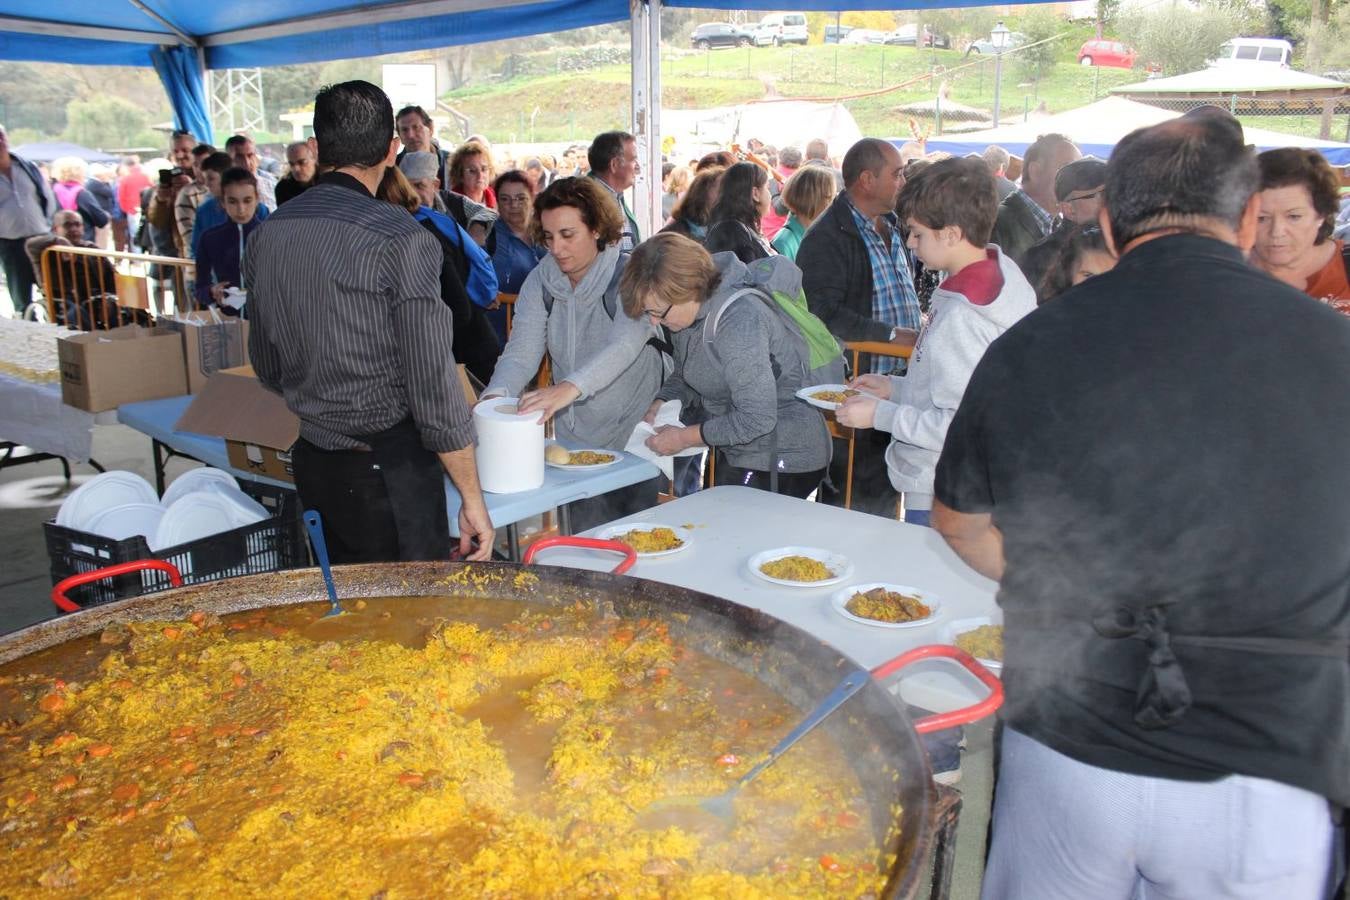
(30, 495)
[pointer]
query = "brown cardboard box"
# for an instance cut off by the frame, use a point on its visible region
(256, 424)
(101, 370)
(210, 343)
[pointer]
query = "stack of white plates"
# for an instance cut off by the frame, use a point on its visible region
(200, 503)
(101, 493)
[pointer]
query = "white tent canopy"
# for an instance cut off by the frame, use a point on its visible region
(1098, 127)
(781, 124)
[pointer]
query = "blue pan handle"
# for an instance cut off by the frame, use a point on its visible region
(314, 525)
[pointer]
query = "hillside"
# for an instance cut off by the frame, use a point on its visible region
(575, 106)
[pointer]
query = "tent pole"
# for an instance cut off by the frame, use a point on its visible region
(645, 66)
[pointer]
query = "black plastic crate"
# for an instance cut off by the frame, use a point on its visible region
(267, 546)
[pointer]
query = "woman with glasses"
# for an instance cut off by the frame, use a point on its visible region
(514, 252)
(734, 223)
(471, 174)
(735, 358)
(606, 366)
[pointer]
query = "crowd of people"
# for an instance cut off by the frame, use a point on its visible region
(1080, 373)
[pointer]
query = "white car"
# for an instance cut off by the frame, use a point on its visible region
(781, 28)
(864, 36)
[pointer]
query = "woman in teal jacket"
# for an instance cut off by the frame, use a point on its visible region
(807, 194)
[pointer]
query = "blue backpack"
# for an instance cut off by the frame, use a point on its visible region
(480, 278)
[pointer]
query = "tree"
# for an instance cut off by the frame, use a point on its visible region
(104, 121)
(1107, 13)
(1040, 26)
(1178, 38)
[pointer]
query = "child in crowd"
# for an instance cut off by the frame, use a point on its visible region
(222, 248)
(1072, 256)
(949, 209)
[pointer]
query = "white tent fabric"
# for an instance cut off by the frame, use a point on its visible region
(1098, 127)
(780, 123)
(1232, 80)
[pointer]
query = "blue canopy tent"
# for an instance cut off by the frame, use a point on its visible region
(183, 39)
(47, 151)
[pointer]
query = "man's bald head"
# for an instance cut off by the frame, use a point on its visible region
(868, 155)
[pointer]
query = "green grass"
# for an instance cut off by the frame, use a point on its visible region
(575, 106)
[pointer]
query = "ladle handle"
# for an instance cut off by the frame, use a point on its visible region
(314, 525)
(630, 556)
(65, 604)
(852, 683)
(963, 716)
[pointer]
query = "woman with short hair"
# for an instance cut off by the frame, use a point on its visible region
(471, 173)
(734, 357)
(69, 176)
(734, 224)
(807, 194)
(1299, 200)
(690, 215)
(514, 252)
(606, 366)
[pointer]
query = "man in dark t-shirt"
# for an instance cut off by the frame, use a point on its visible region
(1154, 468)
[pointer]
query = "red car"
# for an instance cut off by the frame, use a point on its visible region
(1104, 52)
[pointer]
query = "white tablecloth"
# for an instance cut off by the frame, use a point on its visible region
(33, 415)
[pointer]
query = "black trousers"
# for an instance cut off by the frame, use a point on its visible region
(790, 484)
(872, 491)
(19, 274)
(382, 506)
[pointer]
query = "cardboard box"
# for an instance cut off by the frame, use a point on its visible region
(258, 428)
(210, 343)
(101, 370)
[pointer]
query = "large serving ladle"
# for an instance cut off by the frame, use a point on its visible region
(722, 805)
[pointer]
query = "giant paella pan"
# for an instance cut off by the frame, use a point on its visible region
(463, 729)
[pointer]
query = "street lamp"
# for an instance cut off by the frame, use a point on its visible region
(998, 36)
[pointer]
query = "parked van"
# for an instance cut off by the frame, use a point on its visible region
(1245, 51)
(781, 28)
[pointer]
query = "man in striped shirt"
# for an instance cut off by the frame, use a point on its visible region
(348, 325)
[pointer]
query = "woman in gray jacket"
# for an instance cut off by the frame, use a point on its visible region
(606, 366)
(736, 356)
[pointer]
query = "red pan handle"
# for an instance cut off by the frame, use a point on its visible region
(65, 604)
(964, 716)
(585, 544)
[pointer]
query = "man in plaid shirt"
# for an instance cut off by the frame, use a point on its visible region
(855, 270)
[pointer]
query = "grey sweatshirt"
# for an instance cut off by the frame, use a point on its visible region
(608, 361)
(924, 401)
(747, 408)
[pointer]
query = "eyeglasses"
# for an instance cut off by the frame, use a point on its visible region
(1096, 193)
(659, 316)
(509, 200)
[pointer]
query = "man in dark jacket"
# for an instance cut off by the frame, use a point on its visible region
(856, 274)
(1028, 215)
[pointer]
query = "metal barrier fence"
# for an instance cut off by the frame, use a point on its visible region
(1325, 117)
(88, 289)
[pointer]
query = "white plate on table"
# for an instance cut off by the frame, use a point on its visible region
(806, 392)
(839, 600)
(957, 627)
(612, 533)
(126, 521)
(196, 480)
(617, 454)
(100, 493)
(837, 563)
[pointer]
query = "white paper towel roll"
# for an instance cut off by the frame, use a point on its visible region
(510, 451)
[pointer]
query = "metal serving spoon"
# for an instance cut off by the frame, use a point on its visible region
(720, 805)
(314, 525)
